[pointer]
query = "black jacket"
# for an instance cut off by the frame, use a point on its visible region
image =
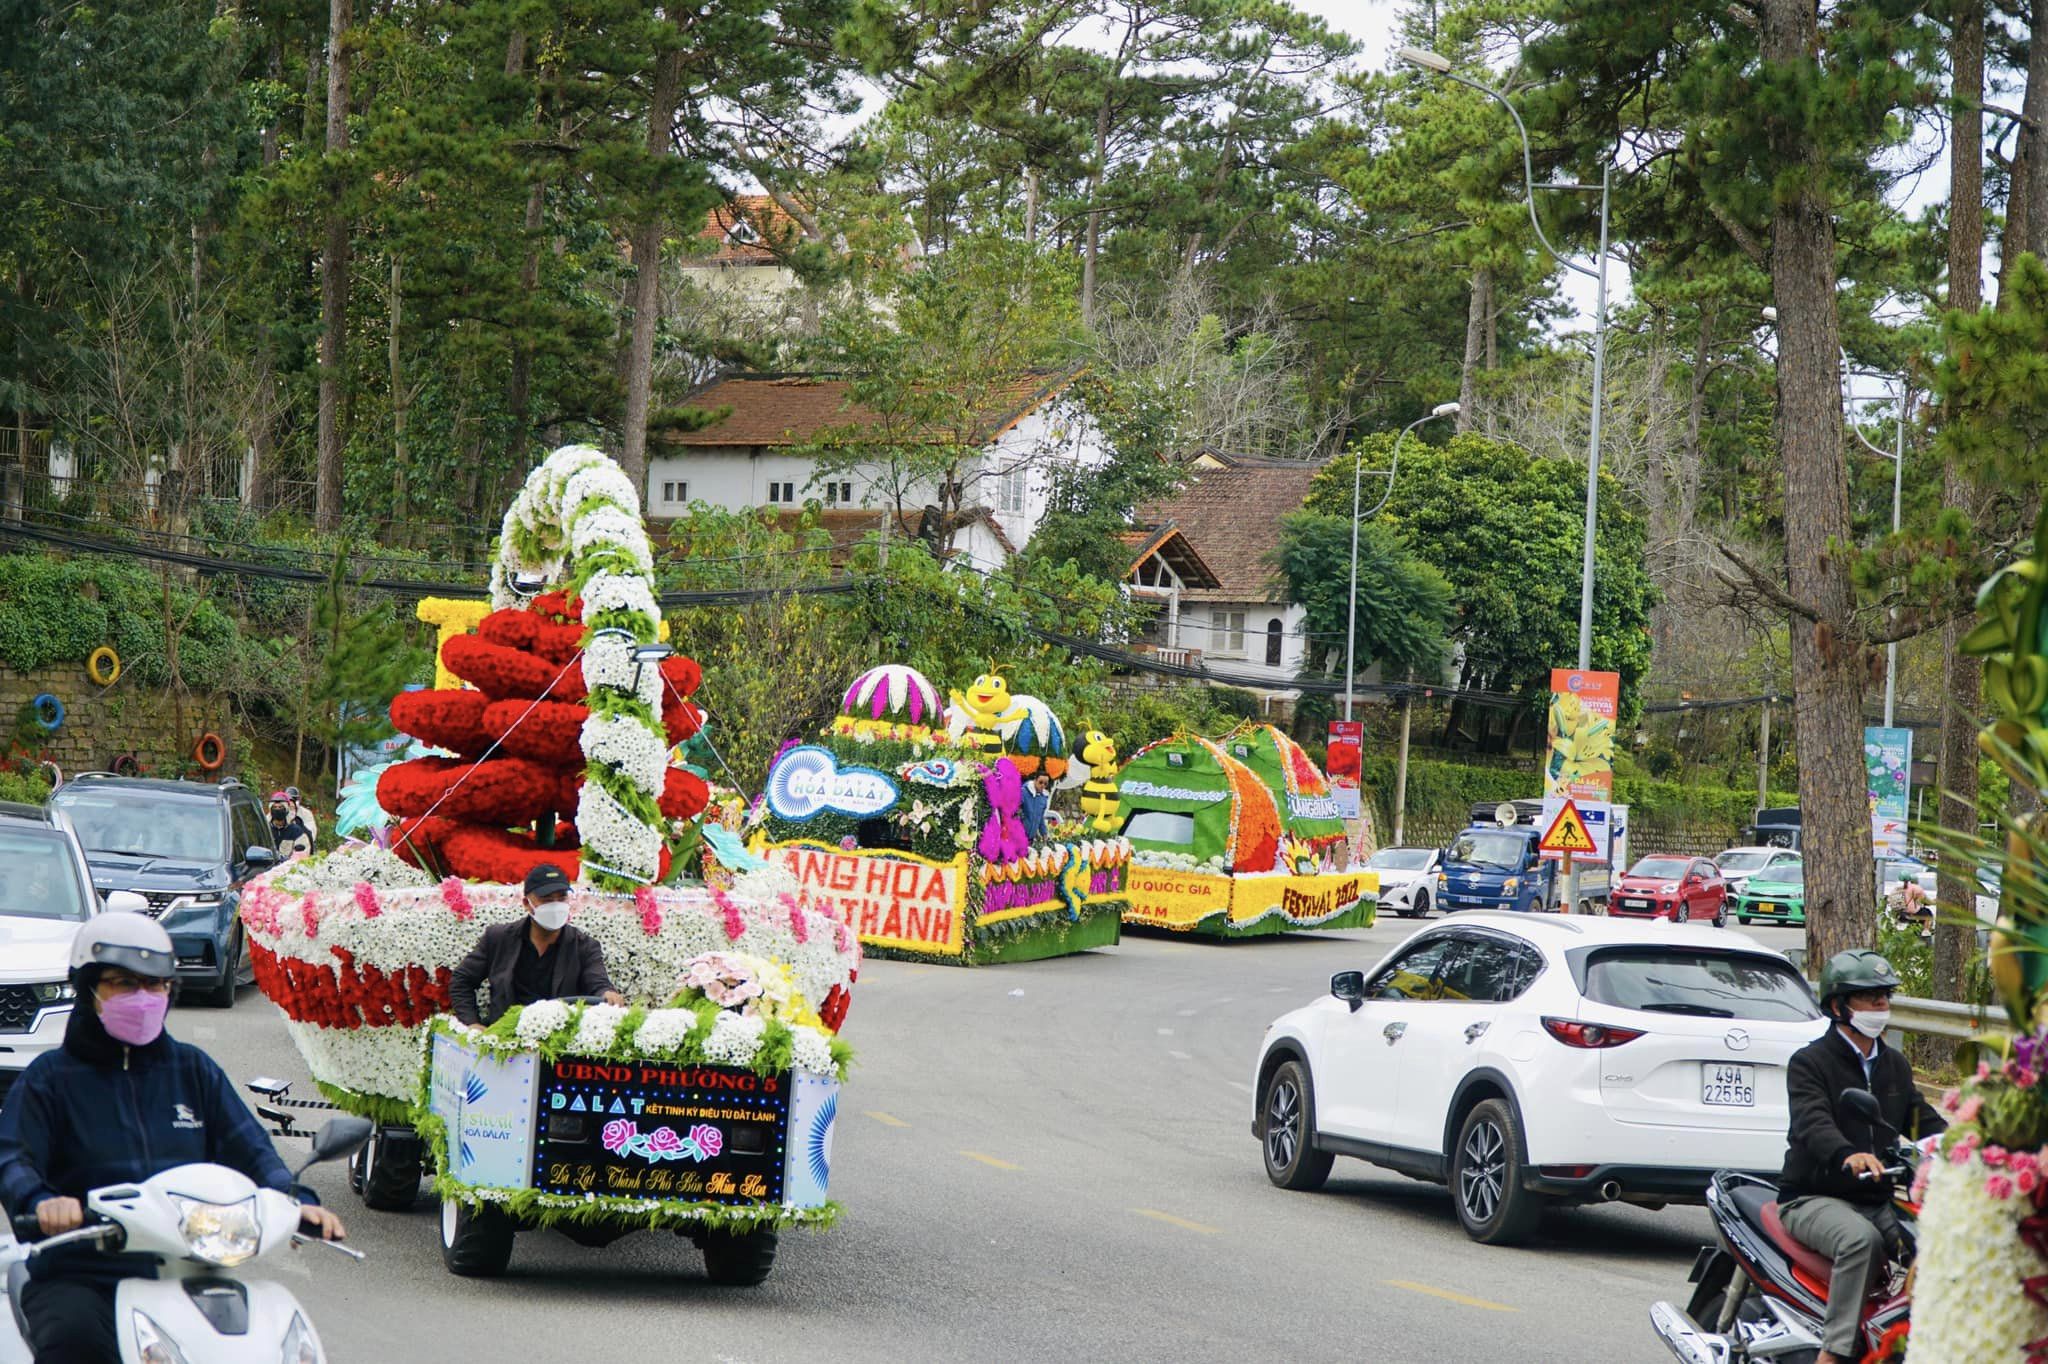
(97, 1112)
(577, 959)
(1824, 1133)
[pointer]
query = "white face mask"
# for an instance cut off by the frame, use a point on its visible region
(1870, 1022)
(551, 915)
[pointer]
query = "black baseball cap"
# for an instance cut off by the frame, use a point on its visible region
(546, 880)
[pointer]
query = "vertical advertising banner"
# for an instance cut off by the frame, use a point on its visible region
(1888, 767)
(1580, 763)
(1344, 762)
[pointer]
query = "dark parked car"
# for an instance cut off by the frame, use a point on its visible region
(187, 848)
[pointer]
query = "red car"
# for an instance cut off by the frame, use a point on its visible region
(1677, 888)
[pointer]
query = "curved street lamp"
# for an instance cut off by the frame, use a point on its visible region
(1357, 471)
(1439, 64)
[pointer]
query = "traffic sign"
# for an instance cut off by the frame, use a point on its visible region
(1568, 833)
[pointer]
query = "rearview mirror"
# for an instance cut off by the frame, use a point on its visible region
(1349, 986)
(1863, 1104)
(125, 902)
(341, 1138)
(260, 856)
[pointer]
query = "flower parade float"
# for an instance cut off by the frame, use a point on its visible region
(705, 1104)
(1981, 1285)
(907, 823)
(1236, 838)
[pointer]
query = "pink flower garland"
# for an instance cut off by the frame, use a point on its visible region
(650, 911)
(799, 927)
(735, 922)
(456, 898)
(309, 914)
(366, 900)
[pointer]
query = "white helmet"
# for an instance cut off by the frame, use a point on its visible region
(133, 942)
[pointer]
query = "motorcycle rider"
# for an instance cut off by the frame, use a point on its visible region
(1833, 1195)
(539, 957)
(287, 828)
(120, 1101)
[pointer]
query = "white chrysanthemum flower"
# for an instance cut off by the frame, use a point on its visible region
(735, 1039)
(625, 743)
(608, 591)
(541, 1020)
(597, 1029)
(663, 1030)
(613, 835)
(811, 1051)
(1968, 1298)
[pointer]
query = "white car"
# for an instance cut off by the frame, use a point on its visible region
(45, 894)
(1739, 864)
(1526, 1059)
(1409, 878)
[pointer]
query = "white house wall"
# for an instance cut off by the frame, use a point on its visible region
(738, 477)
(1201, 627)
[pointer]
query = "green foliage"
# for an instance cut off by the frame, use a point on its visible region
(1404, 605)
(364, 655)
(1506, 530)
(60, 610)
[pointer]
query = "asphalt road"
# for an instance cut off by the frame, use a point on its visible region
(1038, 1162)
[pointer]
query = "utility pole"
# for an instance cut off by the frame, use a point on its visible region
(1401, 767)
(1763, 756)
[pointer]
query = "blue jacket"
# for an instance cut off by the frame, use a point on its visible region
(97, 1112)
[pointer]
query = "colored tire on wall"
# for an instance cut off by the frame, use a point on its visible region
(49, 712)
(104, 667)
(126, 765)
(210, 752)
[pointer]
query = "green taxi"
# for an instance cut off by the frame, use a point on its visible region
(1773, 895)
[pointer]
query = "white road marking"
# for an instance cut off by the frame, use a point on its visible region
(1180, 1056)
(1166, 1032)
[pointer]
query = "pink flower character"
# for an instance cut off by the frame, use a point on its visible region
(618, 1134)
(708, 1138)
(663, 1141)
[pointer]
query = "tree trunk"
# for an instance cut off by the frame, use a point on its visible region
(1692, 459)
(519, 385)
(1827, 662)
(1955, 938)
(1030, 206)
(334, 268)
(644, 298)
(2034, 140)
(1476, 314)
(1093, 242)
(400, 400)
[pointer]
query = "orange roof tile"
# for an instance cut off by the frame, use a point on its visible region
(750, 229)
(1231, 516)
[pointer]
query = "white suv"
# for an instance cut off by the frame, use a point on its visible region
(1524, 1059)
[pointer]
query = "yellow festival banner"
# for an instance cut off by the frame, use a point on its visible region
(892, 899)
(1175, 899)
(1304, 900)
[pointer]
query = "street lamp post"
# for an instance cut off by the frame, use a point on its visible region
(1357, 472)
(1897, 455)
(1435, 62)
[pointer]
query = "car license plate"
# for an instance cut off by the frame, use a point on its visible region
(1635, 904)
(1727, 1086)
(1767, 908)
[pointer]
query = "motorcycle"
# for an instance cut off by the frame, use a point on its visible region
(1759, 1293)
(198, 1221)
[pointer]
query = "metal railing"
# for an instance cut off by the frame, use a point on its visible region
(1941, 1018)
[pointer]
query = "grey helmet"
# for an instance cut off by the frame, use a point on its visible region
(133, 942)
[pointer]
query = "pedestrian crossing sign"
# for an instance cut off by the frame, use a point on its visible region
(1568, 833)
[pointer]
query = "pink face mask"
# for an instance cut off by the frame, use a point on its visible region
(136, 1017)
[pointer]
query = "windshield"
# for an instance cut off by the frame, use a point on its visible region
(139, 824)
(1661, 868)
(1741, 861)
(1793, 874)
(1489, 849)
(1401, 859)
(38, 879)
(1161, 826)
(1704, 984)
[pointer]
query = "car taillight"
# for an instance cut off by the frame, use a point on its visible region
(1591, 1036)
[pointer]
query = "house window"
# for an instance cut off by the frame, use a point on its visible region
(675, 494)
(839, 494)
(784, 493)
(1010, 491)
(1273, 643)
(1228, 631)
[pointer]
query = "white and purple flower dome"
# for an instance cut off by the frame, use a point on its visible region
(896, 690)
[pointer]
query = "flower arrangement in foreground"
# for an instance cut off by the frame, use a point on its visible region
(358, 968)
(1982, 1289)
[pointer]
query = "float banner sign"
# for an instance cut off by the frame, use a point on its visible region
(486, 1102)
(1888, 765)
(1580, 763)
(893, 900)
(1175, 899)
(659, 1129)
(1344, 762)
(1304, 900)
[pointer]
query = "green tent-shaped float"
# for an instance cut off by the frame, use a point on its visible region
(1308, 808)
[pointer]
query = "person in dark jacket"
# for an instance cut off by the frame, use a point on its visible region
(118, 1102)
(1832, 1194)
(540, 957)
(292, 835)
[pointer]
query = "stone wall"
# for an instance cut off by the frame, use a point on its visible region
(102, 723)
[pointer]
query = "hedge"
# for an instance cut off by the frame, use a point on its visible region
(60, 610)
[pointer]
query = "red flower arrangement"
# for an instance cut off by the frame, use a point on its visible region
(477, 853)
(500, 672)
(533, 633)
(349, 996)
(496, 791)
(549, 732)
(446, 719)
